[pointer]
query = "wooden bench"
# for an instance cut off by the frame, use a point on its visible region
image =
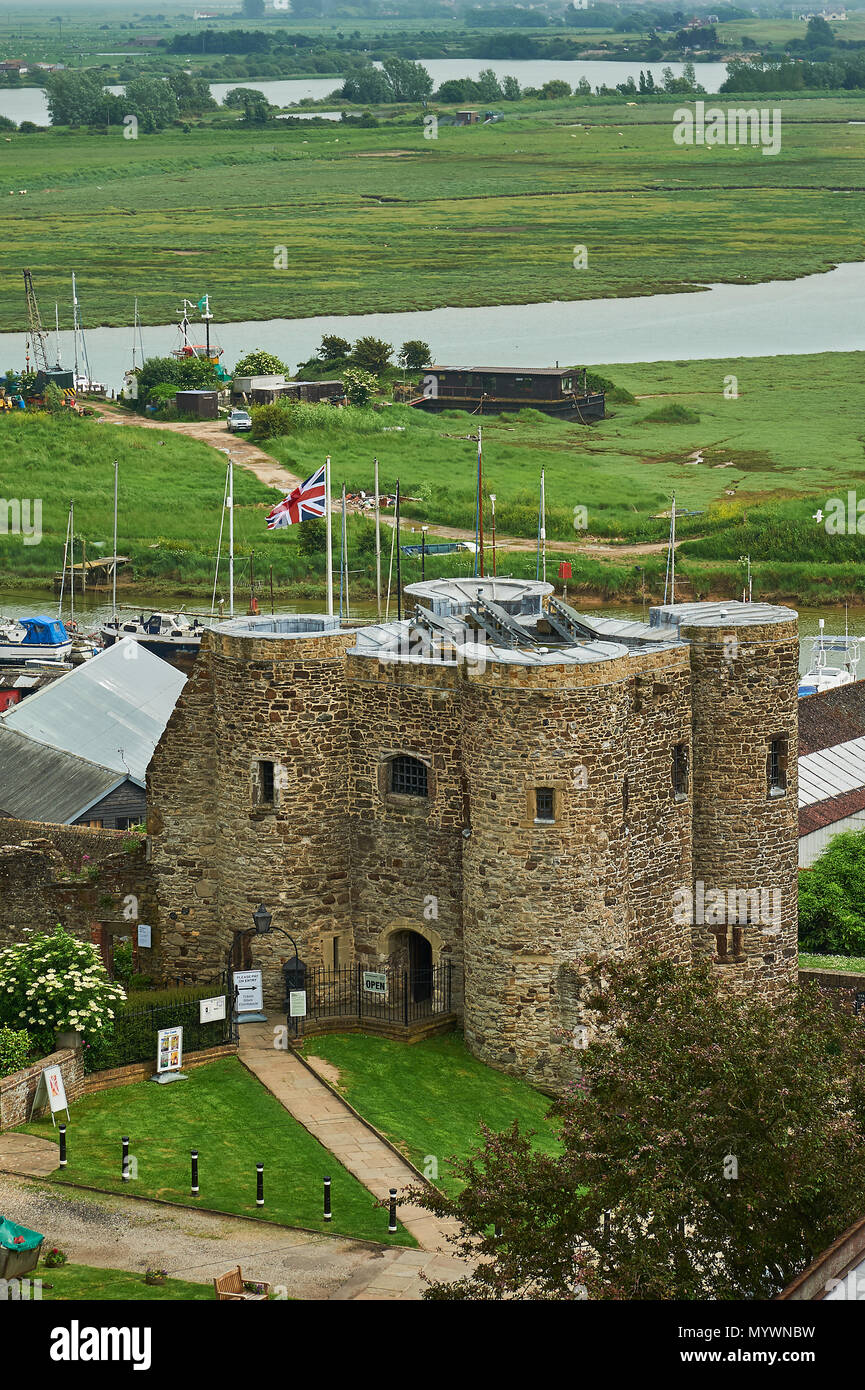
(229, 1288)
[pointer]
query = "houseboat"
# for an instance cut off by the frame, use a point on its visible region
(169, 635)
(34, 639)
(560, 391)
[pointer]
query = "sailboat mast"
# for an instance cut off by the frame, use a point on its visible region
(230, 536)
(65, 558)
(72, 561)
(114, 565)
(543, 527)
(377, 547)
(673, 550)
(328, 519)
(481, 500)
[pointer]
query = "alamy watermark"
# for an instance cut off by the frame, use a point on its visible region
(21, 517)
(736, 126)
(721, 907)
(842, 517)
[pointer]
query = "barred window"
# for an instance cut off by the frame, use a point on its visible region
(265, 787)
(408, 776)
(680, 771)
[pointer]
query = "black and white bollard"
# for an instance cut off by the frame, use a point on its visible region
(327, 1211)
(194, 1157)
(62, 1146)
(497, 1231)
(124, 1162)
(391, 1226)
(259, 1184)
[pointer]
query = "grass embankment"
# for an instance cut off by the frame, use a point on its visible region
(234, 1123)
(74, 1283)
(811, 962)
(755, 468)
(384, 219)
(431, 1098)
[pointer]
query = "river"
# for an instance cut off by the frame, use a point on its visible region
(29, 103)
(817, 313)
(96, 608)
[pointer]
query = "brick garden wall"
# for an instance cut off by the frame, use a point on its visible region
(842, 986)
(18, 1090)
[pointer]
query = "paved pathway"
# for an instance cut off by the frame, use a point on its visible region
(360, 1151)
(26, 1154)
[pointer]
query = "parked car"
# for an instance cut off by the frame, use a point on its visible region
(239, 420)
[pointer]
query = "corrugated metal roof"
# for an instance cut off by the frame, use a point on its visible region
(111, 710)
(831, 771)
(47, 784)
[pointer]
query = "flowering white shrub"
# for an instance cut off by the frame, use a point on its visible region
(54, 982)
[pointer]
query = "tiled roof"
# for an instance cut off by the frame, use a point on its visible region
(831, 717)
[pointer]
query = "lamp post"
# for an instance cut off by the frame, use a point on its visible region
(295, 971)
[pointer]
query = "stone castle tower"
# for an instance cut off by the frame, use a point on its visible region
(497, 781)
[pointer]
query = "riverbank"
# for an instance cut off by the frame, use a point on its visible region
(341, 220)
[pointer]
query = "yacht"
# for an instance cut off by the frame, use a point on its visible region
(34, 639)
(165, 634)
(834, 662)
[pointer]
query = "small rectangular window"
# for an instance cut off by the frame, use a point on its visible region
(544, 804)
(265, 783)
(680, 771)
(776, 767)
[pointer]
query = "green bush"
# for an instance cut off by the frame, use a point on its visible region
(15, 1050)
(271, 421)
(831, 908)
(52, 982)
(672, 414)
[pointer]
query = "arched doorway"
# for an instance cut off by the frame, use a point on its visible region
(412, 952)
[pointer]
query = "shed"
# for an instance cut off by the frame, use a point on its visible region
(204, 405)
(41, 783)
(467, 118)
(831, 767)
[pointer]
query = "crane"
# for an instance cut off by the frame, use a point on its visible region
(36, 333)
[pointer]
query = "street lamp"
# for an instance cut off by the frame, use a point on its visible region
(295, 969)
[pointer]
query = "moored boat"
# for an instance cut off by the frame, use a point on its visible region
(821, 675)
(34, 639)
(167, 635)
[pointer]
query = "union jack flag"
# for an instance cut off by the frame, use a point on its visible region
(305, 503)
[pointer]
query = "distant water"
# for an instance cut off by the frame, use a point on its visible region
(817, 313)
(29, 103)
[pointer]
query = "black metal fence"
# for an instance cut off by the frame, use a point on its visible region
(133, 1031)
(390, 995)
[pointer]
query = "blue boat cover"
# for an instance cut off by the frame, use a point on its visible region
(44, 631)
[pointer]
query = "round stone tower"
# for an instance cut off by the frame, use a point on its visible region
(744, 670)
(545, 855)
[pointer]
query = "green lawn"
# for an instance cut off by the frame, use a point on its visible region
(430, 1098)
(383, 219)
(811, 962)
(234, 1123)
(73, 1283)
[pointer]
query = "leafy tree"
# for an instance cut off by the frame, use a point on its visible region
(192, 94)
(831, 902)
(366, 84)
(78, 98)
(152, 101)
(553, 91)
(253, 9)
(414, 354)
(819, 34)
(237, 98)
(360, 386)
(489, 86)
(257, 110)
(53, 398)
(725, 1137)
(457, 89)
(510, 88)
(312, 539)
(261, 363)
(334, 349)
(372, 355)
(408, 81)
(184, 373)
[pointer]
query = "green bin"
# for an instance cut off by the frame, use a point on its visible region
(19, 1249)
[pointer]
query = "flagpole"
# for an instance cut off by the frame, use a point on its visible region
(398, 564)
(342, 552)
(114, 566)
(329, 523)
(230, 537)
(345, 553)
(543, 527)
(481, 500)
(377, 546)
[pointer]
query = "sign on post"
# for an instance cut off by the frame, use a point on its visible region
(145, 935)
(297, 1003)
(209, 1010)
(52, 1090)
(375, 983)
(250, 997)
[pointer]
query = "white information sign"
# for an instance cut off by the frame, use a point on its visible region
(169, 1049)
(52, 1089)
(145, 935)
(250, 998)
(375, 982)
(209, 1010)
(297, 1003)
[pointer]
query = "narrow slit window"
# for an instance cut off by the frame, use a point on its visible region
(776, 767)
(544, 804)
(266, 783)
(680, 771)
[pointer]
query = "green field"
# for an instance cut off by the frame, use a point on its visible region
(383, 219)
(234, 1123)
(430, 1099)
(74, 1283)
(756, 468)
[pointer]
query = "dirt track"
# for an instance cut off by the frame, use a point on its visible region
(271, 472)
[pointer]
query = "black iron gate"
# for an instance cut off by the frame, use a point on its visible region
(389, 994)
